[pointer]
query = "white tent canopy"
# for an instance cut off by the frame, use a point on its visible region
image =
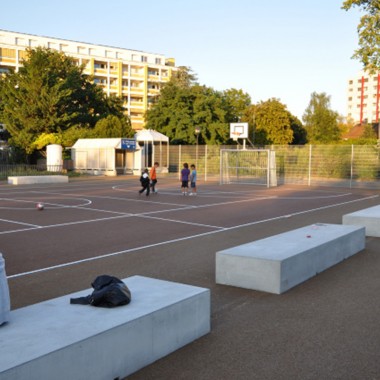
(155, 148)
(150, 135)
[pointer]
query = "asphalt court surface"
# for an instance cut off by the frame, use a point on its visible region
(92, 219)
(102, 225)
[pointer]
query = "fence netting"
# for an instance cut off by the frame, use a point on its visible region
(311, 165)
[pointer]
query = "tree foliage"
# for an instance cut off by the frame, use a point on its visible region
(184, 77)
(320, 121)
(180, 110)
(299, 131)
(237, 102)
(184, 107)
(50, 95)
(369, 33)
(113, 126)
(271, 123)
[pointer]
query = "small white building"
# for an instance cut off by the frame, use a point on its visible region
(113, 156)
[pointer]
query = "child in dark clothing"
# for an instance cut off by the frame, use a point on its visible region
(145, 182)
(185, 172)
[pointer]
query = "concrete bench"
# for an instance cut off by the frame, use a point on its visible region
(26, 180)
(278, 263)
(57, 340)
(369, 218)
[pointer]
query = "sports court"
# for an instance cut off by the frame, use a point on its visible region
(324, 328)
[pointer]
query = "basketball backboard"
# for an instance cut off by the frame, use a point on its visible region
(238, 130)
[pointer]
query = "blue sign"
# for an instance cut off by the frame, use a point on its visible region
(128, 144)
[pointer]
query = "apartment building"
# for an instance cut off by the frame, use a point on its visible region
(133, 75)
(363, 98)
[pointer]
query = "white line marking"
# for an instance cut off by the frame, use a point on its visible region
(182, 239)
(180, 221)
(68, 224)
(23, 224)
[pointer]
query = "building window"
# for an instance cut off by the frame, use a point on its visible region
(100, 81)
(98, 65)
(158, 61)
(144, 58)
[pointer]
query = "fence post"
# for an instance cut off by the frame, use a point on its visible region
(180, 160)
(352, 165)
(309, 179)
(205, 163)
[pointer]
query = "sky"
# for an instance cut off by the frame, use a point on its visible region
(283, 49)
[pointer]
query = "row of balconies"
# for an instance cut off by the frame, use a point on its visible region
(125, 75)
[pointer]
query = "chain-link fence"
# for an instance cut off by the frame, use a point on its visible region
(311, 165)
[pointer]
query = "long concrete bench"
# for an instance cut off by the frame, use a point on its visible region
(280, 262)
(26, 180)
(60, 341)
(369, 218)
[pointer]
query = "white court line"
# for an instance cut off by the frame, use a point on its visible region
(55, 205)
(21, 223)
(183, 239)
(122, 215)
(67, 224)
(179, 221)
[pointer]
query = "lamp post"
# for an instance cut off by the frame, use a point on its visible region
(197, 132)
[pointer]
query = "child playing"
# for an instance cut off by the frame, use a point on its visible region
(153, 177)
(185, 172)
(193, 180)
(145, 182)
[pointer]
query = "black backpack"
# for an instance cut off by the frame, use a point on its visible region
(109, 291)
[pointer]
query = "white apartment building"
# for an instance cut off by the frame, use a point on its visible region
(363, 98)
(133, 75)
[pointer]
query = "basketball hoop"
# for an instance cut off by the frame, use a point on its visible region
(235, 135)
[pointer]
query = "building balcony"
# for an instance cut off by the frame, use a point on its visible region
(137, 76)
(100, 71)
(136, 105)
(136, 90)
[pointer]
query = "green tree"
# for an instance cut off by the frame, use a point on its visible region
(182, 108)
(299, 132)
(50, 94)
(270, 123)
(71, 135)
(209, 114)
(184, 77)
(320, 121)
(113, 126)
(237, 102)
(369, 132)
(368, 31)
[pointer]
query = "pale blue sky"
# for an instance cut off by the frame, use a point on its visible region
(285, 49)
